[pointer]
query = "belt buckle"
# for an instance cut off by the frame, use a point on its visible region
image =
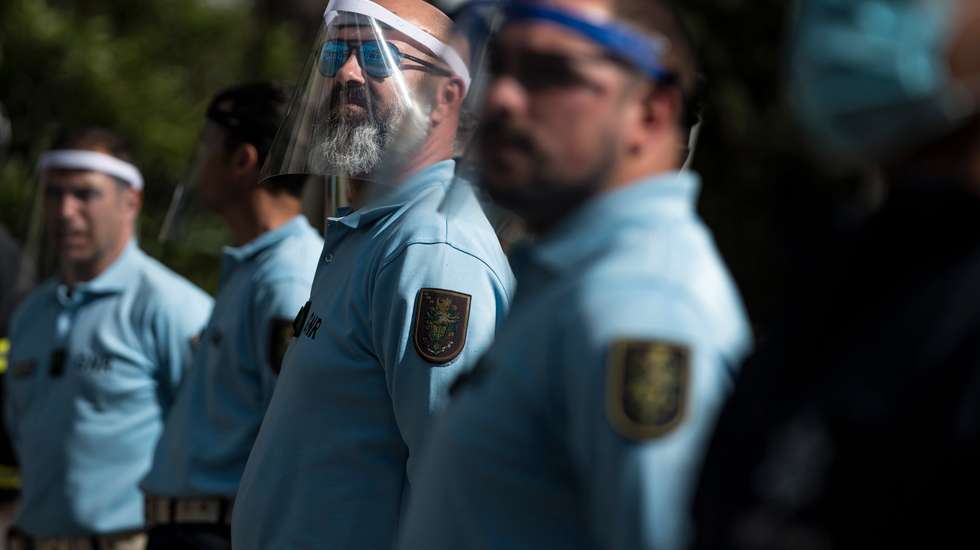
(198, 510)
(129, 541)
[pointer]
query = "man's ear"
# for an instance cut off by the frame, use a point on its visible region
(658, 111)
(132, 203)
(245, 159)
(448, 99)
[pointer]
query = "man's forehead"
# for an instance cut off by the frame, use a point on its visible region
(544, 37)
(77, 179)
(421, 14)
(597, 10)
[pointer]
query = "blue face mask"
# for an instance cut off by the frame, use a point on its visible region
(869, 77)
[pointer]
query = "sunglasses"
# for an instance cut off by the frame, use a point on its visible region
(544, 71)
(371, 56)
(540, 71)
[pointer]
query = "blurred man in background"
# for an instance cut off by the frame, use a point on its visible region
(860, 426)
(96, 355)
(585, 423)
(265, 280)
(406, 295)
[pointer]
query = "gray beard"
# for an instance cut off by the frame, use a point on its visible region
(350, 147)
(361, 147)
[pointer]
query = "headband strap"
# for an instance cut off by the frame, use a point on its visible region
(641, 50)
(71, 159)
(434, 45)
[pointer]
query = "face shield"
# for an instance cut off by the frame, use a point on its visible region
(482, 27)
(185, 203)
(240, 121)
(870, 77)
(361, 108)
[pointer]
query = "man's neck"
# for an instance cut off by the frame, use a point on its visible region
(83, 272)
(260, 213)
(360, 191)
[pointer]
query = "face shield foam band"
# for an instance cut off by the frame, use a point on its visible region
(433, 44)
(68, 159)
(642, 51)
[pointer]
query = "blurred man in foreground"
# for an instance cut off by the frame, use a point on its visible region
(860, 426)
(584, 425)
(265, 280)
(408, 290)
(96, 355)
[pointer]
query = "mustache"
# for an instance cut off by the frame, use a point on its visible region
(351, 93)
(497, 131)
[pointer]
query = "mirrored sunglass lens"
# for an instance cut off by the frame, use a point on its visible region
(332, 57)
(374, 58)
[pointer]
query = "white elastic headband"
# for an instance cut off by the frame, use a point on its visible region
(436, 46)
(70, 159)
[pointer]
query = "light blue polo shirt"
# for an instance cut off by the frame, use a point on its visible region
(626, 306)
(220, 406)
(337, 450)
(85, 420)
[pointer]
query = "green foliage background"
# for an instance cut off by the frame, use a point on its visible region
(148, 68)
(144, 68)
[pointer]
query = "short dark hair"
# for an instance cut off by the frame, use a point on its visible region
(661, 17)
(250, 113)
(93, 138)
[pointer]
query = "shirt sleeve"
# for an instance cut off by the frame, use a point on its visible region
(641, 398)
(423, 301)
(274, 307)
(175, 325)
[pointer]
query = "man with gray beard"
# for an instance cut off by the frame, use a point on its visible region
(409, 289)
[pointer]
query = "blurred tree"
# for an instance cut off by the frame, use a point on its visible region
(146, 69)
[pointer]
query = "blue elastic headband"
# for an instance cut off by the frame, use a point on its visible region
(640, 50)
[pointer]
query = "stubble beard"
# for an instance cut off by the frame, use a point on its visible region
(546, 196)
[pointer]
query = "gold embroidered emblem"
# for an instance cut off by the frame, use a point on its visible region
(647, 387)
(441, 319)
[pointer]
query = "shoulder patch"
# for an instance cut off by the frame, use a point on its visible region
(280, 336)
(441, 319)
(647, 387)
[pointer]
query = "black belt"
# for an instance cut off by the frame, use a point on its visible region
(18, 540)
(188, 510)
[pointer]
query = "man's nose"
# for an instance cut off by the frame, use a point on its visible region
(505, 94)
(351, 70)
(69, 205)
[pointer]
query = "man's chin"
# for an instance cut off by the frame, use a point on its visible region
(75, 252)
